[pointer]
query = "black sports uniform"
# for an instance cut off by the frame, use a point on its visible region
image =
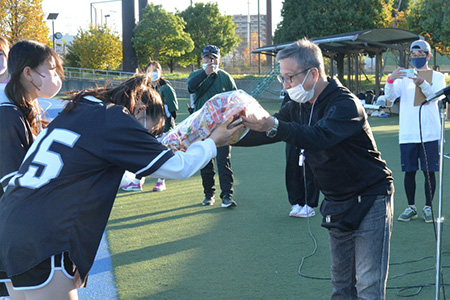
(15, 139)
(61, 197)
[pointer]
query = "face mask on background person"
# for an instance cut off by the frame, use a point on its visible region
(50, 85)
(215, 67)
(3, 63)
(419, 62)
(298, 93)
(155, 76)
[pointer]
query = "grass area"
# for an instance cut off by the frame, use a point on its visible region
(167, 246)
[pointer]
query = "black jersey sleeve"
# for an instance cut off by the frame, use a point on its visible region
(15, 140)
(129, 145)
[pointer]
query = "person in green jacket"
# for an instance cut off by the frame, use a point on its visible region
(170, 101)
(169, 98)
(204, 84)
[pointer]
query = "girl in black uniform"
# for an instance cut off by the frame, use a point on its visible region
(4, 78)
(33, 70)
(4, 50)
(56, 207)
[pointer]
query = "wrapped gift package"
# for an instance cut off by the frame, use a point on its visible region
(217, 110)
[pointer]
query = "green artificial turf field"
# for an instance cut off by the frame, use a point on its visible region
(167, 246)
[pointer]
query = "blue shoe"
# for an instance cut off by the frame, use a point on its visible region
(427, 214)
(409, 214)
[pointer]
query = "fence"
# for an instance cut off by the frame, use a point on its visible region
(79, 79)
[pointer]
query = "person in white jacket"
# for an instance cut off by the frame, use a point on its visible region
(413, 131)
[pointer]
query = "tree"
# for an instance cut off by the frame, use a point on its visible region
(316, 18)
(96, 48)
(247, 55)
(23, 19)
(207, 26)
(160, 36)
(431, 19)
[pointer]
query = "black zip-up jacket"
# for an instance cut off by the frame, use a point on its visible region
(338, 142)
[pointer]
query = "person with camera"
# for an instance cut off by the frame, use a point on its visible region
(347, 166)
(204, 84)
(413, 86)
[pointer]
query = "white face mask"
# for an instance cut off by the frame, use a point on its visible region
(215, 67)
(3, 63)
(298, 93)
(50, 86)
(155, 76)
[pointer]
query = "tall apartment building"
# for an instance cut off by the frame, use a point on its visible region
(249, 28)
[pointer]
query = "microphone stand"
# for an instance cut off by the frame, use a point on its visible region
(440, 219)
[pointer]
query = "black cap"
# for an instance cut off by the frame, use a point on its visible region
(211, 49)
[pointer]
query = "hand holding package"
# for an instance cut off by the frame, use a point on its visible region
(219, 109)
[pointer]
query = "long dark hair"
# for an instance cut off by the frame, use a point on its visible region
(31, 54)
(129, 94)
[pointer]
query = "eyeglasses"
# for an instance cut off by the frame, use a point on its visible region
(419, 54)
(288, 78)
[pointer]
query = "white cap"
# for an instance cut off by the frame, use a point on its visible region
(420, 45)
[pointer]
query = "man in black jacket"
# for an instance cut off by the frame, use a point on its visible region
(347, 167)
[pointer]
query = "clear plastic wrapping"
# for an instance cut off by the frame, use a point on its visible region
(217, 110)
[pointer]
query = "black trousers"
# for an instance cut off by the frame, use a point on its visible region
(226, 178)
(295, 184)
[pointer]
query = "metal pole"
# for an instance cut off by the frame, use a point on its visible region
(259, 41)
(249, 34)
(440, 219)
(269, 27)
(91, 5)
(53, 34)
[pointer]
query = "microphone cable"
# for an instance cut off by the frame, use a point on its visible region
(427, 177)
(309, 227)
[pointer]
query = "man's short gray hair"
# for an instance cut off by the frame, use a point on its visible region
(306, 53)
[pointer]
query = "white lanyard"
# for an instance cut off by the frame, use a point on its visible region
(301, 158)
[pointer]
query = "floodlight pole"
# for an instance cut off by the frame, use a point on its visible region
(52, 17)
(259, 40)
(92, 5)
(53, 33)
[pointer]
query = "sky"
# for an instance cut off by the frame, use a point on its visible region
(74, 14)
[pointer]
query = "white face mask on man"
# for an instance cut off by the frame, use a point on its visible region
(298, 93)
(215, 67)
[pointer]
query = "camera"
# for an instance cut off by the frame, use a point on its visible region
(409, 72)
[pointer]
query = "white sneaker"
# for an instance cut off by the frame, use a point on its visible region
(295, 210)
(134, 185)
(306, 211)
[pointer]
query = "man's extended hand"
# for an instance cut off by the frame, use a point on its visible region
(263, 125)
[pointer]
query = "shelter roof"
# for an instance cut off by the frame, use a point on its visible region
(371, 41)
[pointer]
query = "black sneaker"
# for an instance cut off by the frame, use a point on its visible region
(208, 201)
(227, 202)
